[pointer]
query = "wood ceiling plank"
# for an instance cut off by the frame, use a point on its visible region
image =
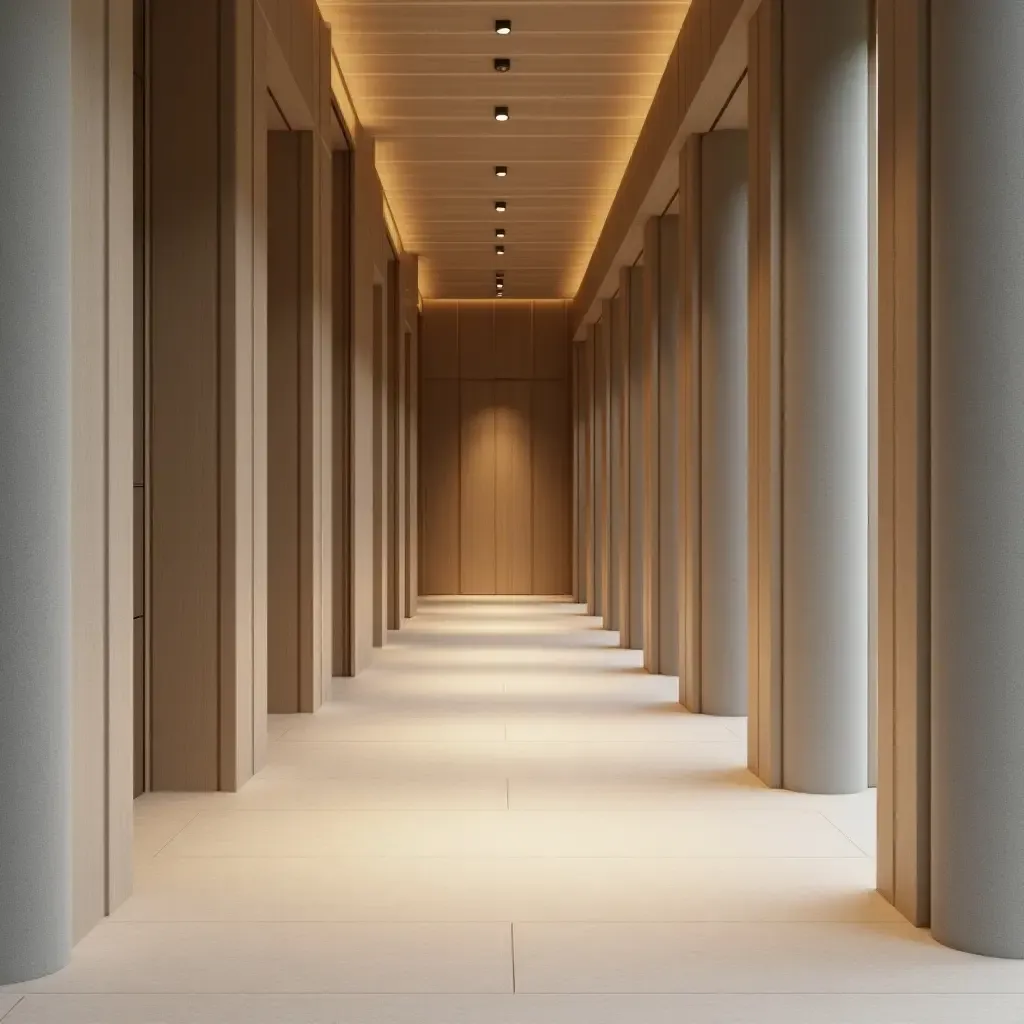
(583, 76)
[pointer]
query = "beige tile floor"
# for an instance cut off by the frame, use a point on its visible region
(507, 822)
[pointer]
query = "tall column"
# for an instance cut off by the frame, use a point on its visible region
(661, 446)
(977, 224)
(601, 467)
(617, 508)
(35, 470)
(723, 423)
(809, 336)
(633, 284)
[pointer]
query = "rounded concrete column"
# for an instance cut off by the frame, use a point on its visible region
(35, 407)
(824, 252)
(723, 369)
(978, 476)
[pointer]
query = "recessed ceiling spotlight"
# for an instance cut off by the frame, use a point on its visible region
(501, 113)
(500, 250)
(503, 26)
(502, 64)
(499, 232)
(501, 206)
(501, 285)
(501, 172)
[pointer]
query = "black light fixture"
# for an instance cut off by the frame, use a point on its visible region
(499, 232)
(501, 206)
(502, 64)
(501, 113)
(501, 171)
(500, 250)
(503, 26)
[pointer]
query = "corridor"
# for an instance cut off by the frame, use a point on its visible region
(506, 821)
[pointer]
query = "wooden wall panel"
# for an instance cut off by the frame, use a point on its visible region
(690, 414)
(550, 341)
(513, 341)
(478, 570)
(552, 493)
(611, 316)
(602, 491)
(184, 527)
(476, 341)
(764, 396)
(439, 345)
(652, 464)
(440, 528)
(283, 513)
(341, 411)
(514, 488)
(495, 350)
(903, 443)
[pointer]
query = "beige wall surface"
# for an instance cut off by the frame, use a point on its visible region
(903, 459)
(103, 633)
(208, 413)
(495, 449)
(763, 375)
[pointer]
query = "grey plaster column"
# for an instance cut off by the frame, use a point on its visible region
(825, 261)
(977, 224)
(723, 370)
(35, 410)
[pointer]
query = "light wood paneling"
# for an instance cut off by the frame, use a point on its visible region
(652, 463)
(439, 349)
(478, 491)
(513, 341)
(903, 462)
(587, 406)
(552, 501)
(341, 411)
(601, 467)
(185, 475)
(708, 58)
(611, 317)
(476, 341)
(284, 290)
(637, 514)
(578, 100)
(764, 391)
(550, 341)
(440, 512)
(102, 538)
(514, 487)
(690, 414)
(620, 456)
(505, 475)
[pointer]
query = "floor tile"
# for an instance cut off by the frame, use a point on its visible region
(7, 1003)
(527, 889)
(750, 958)
(672, 1009)
(505, 776)
(707, 832)
(277, 958)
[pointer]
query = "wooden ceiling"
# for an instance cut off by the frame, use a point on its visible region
(421, 73)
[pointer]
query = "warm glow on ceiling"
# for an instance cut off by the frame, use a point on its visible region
(424, 80)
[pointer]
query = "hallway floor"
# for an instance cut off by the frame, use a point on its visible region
(508, 822)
